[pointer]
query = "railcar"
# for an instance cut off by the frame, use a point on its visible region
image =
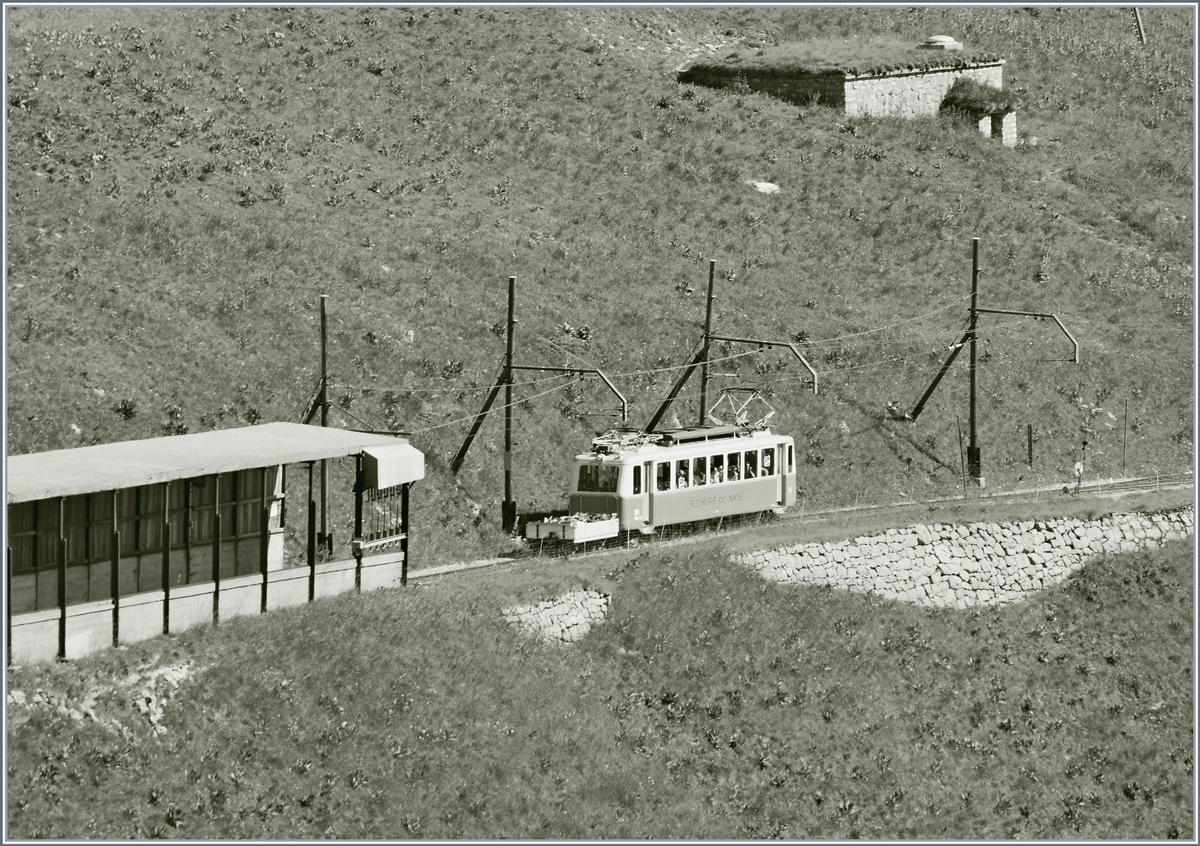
(638, 481)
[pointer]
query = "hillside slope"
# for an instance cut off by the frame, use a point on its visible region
(709, 704)
(184, 183)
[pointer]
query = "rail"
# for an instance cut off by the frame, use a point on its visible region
(704, 529)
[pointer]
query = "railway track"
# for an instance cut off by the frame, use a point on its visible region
(1098, 488)
(671, 535)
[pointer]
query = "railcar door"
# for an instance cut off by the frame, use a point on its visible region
(780, 468)
(789, 474)
(770, 469)
(647, 500)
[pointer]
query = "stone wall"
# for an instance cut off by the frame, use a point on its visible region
(966, 566)
(901, 94)
(562, 620)
(911, 94)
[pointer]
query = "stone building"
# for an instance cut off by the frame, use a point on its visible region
(903, 92)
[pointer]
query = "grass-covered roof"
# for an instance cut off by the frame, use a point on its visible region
(852, 57)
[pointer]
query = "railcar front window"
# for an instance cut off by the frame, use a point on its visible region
(597, 477)
(791, 466)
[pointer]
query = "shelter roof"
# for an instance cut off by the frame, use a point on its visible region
(127, 464)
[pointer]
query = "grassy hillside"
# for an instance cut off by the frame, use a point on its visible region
(709, 704)
(184, 183)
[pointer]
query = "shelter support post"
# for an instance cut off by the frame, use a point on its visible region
(264, 555)
(216, 550)
(8, 603)
(114, 584)
(356, 541)
(404, 529)
(312, 537)
(166, 576)
(62, 579)
(264, 543)
(216, 568)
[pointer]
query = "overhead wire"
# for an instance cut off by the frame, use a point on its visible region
(900, 341)
(890, 326)
(807, 346)
(501, 407)
(401, 389)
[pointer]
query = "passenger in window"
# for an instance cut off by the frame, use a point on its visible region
(733, 471)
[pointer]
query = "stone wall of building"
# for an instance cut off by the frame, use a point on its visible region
(901, 94)
(966, 566)
(913, 94)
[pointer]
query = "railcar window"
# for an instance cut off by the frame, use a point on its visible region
(768, 466)
(663, 475)
(716, 469)
(597, 477)
(751, 463)
(699, 476)
(682, 473)
(791, 466)
(733, 468)
(637, 479)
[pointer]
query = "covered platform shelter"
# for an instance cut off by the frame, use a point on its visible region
(120, 542)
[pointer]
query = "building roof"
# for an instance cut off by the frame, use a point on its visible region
(106, 467)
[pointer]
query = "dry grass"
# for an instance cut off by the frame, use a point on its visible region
(708, 705)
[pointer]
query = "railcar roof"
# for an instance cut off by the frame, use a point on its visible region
(702, 433)
(698, 446)
(127, 464)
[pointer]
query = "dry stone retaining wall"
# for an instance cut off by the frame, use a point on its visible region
(562, 620)
(966, 566)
